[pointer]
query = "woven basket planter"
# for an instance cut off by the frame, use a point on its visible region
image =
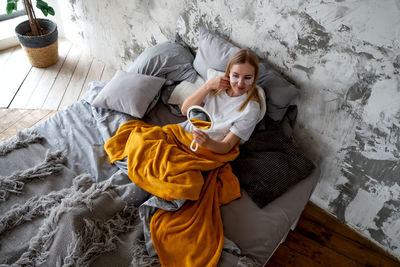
(42, 50)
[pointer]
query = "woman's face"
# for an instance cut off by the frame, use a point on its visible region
(241, 78)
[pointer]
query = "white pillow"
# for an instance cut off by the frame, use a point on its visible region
(183, 90)
(211, 73)
(129, 93)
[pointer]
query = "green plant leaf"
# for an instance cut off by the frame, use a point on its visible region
(11, 6)
(41, 4)
(46, 9)
(51, 11)
(45, 12)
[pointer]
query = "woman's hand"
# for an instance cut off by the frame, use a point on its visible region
(222, 147)
(200, 137)
(219, 83)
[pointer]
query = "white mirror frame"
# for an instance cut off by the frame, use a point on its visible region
(194, 146)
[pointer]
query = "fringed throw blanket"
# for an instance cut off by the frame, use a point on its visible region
(21, 139)
(161, 162)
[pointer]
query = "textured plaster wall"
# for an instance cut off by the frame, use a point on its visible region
(344, 55)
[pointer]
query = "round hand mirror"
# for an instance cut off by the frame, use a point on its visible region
(201, 120)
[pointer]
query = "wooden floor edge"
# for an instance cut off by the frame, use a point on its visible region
(372, 244)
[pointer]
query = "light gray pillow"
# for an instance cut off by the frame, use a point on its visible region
(213, 53)
(171, 60)
(130, 93)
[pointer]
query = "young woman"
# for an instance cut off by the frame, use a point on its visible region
(232, 101)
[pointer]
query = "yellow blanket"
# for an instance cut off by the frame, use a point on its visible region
(161, 162)
(193, 235)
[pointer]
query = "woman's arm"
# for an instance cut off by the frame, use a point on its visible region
(222, 147)
(197, 97)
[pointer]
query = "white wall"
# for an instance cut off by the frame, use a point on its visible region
(344, 55)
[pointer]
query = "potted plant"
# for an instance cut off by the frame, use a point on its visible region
(38, 37)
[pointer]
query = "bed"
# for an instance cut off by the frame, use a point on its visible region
(62, 202)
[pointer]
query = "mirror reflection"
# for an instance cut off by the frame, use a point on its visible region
(200, 119)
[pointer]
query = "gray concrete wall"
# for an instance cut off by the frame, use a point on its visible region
(344, 55)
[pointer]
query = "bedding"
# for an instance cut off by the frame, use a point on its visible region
(173, 232)
(183, 90)
(76, 198)
(62, 202)
(131, 93)
(269, 164)
(171, 60)
(213, 52)
(160, 160)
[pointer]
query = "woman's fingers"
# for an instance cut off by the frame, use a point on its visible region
(225, 83)
(200, 137)
(220, 83)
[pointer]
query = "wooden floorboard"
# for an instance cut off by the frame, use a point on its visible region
(61, 83)
(89, 77)
(14, 71)
(78, 78)
(27, 89)
(341, 244)
(48, 78)
(11, 118)
(37, 93)
(29, 118)
(321, 240)
(108, 73)
(95, 71)
(4, 55)
(51, 88)
(285, 256)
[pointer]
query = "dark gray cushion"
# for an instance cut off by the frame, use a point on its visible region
(213, 53)
(171, 60)
(269, 164)
(280, 92)
(130, 93)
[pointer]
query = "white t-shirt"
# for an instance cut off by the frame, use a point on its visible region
(226, 116)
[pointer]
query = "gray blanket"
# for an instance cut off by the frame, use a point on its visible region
(63, 204)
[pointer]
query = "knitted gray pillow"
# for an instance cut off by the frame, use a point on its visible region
(269, 164)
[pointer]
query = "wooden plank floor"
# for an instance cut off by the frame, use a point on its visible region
(53, 88)
(321, 240)
(30, 95)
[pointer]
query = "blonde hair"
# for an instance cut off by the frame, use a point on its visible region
(241, 57)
